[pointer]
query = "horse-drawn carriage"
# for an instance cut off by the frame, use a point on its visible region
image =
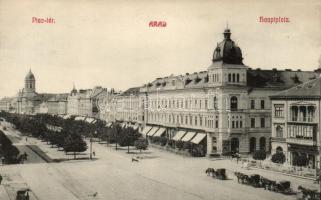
(23, 194)
(307, 194)
(219, 173)
(257, 181)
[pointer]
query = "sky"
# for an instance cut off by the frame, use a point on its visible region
(110, 44)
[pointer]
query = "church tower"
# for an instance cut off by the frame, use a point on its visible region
(30, 83)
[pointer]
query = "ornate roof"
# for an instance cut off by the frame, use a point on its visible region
(30, 76)
(309, 89)
(228, 51)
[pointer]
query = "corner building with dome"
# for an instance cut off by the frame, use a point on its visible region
(223, 109)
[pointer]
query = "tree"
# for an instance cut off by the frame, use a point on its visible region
(8, 151)
(127, 137)
(141, 144)
(259, 155)
(278, 157)
(74, 143)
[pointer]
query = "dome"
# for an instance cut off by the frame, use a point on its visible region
(227, 51)
(30, 76)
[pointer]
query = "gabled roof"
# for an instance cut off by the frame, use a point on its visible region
(273, 78)
(309, 89)
(131, 91)
(59, 97)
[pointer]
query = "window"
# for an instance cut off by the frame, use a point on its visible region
(279, 132)
(173, 82)
(252, 122)
(229, 77)
(279, 110)
(214, 144)
(234, 103)
(238, 78)
(216, 123)
(262, 104)
(215, 103)
(262, 122)
(205, 103)
(186, 120)
(201, 121)
(233, 124)
(233, 77)
(195, 120)
(252, 104)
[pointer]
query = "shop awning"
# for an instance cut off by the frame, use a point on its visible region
(178, 135)
(66, 117)
(198, 138)
(160, 132)
(188, 136)
(108, 124)
(146, 129)
(79, 118)
(135, 127)
(152, 132)
(90, 120)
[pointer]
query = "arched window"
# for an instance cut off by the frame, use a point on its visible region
(233, 78)
(279, 149)
(279, 132)
(238, 78)
(252, 144)
(233, 103)
(215, 103)
(262, 143)
(229, 77)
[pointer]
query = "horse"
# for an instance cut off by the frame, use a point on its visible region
(307, 193)
(210, 171)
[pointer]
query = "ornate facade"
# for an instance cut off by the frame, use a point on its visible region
(228, 103)
(85, 102)
(296, 123)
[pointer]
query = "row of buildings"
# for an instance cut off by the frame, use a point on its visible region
(77, 102)
(228, 107)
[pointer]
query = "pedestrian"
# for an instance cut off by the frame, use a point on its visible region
(0, 179)
(27, 195)
(2, 160)
(26, 138)
(25, 156)
(94, 153)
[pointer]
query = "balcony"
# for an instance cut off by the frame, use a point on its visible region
(308, 142)
(277, 139)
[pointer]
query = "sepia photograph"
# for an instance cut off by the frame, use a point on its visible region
(160, 100)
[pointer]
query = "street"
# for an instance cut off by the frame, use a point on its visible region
(158, 175)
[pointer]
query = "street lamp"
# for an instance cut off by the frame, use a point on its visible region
(91, 145)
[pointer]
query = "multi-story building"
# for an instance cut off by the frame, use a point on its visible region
(57, 104)
(85, 102)
(125, 107)
(226, 107)
(296, 122)
(8, 104)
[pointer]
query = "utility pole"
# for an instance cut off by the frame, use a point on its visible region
(91, 146)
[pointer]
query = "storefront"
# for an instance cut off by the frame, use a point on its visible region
(302, 155)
